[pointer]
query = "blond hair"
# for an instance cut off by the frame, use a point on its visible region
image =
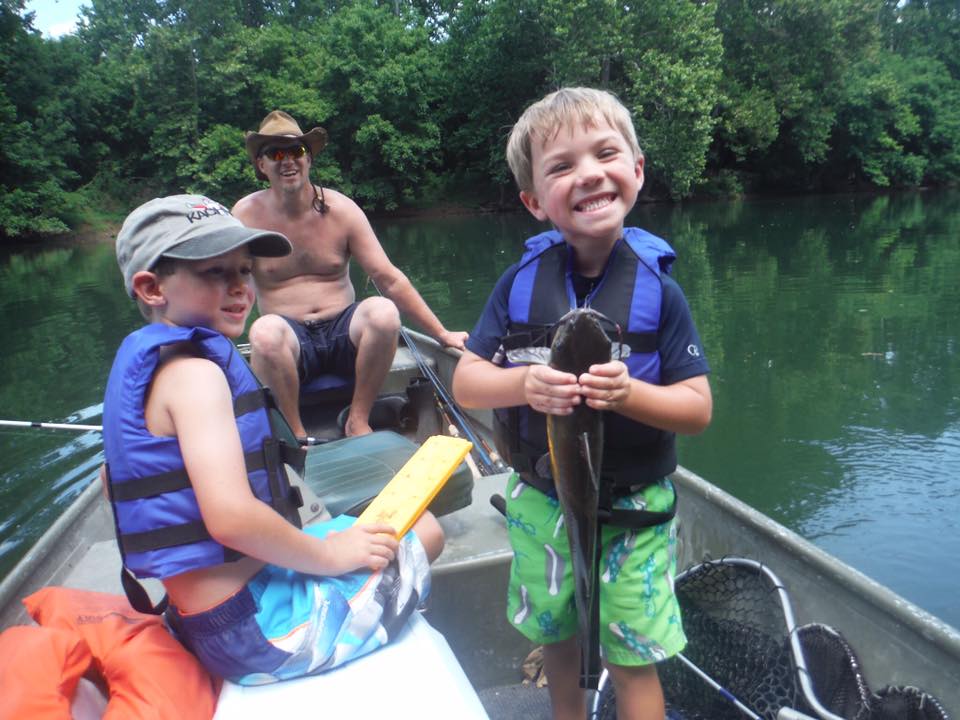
(564, 108)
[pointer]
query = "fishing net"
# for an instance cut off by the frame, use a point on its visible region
(738, 621)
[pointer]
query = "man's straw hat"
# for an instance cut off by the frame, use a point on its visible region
(278, 125)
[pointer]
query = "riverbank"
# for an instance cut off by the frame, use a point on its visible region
(101, 221)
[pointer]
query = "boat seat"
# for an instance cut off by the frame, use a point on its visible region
(328, 381)
(326, 389)
(330, 388)
(415, 676)
(347, 474)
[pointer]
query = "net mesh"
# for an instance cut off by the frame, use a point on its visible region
(738, 635)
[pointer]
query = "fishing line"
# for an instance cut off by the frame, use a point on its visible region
(479, 445)
(492, 464)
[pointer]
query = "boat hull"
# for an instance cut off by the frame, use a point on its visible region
(897, 642)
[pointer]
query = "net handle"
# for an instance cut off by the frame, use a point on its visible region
(803, 674)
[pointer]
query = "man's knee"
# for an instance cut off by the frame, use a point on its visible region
(271, 336)
(379, 316)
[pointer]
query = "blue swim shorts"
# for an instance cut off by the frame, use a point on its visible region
(325, 345)
(285, 624)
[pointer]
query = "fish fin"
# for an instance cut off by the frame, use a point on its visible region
(592, 467)
(529, 355)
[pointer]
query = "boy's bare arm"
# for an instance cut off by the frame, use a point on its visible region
(684, 407)
(195, 396)
(478, 383)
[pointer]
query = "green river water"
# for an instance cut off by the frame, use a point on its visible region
(831, 325)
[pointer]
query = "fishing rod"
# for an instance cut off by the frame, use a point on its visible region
(724, 693)
(452, 429)
(488, 458)
(51, 426)
(490, 464)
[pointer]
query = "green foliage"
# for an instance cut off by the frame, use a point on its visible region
(927, 28)
(418, 96)
(934, 100)
(875, 125)
(494, 67)
(673, 89)
(35, 139)
(32, 212)
(218, 165)
(786, 67)
(382, 75)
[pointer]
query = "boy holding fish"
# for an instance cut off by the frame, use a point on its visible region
(577, 162)
(197, 464)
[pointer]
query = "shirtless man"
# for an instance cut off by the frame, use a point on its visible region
(310, 323)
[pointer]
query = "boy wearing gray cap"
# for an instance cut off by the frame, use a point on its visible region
(196, 470)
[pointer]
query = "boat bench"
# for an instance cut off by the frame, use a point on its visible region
(416, 675)
(335, 388)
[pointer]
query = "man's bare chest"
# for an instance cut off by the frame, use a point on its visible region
(322, 257)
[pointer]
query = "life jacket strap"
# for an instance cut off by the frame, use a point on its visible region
(169, 536)
(286, 499)
(631, 519)
(538, 477)
(173, 480)
(137, 595)
(258, 399)
(636, 519)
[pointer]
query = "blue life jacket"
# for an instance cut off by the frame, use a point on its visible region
(158, 523)
(629, 292)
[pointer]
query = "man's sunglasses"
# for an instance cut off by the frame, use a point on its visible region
(277, 154)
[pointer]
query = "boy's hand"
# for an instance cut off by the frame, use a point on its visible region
(606, 386)
(550, 391)
(371, 546)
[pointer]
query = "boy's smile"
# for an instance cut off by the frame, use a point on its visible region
(585, 181)
(216, 293)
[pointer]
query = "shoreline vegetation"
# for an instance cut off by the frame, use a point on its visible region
(104, 228)
(731, 98)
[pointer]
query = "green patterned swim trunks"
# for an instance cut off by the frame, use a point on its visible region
(639, 615)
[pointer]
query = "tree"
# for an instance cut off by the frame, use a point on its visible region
(875, 126)
(371, 78)
(928, 28)
(786, 65)
(35, 138)
(671, 60)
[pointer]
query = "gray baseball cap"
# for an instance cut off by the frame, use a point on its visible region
(187, 227)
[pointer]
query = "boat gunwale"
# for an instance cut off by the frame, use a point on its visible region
(891, 604)
(46, 545)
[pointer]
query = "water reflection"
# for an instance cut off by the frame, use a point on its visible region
(830, 324)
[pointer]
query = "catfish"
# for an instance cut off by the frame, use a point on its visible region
(576, 454)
